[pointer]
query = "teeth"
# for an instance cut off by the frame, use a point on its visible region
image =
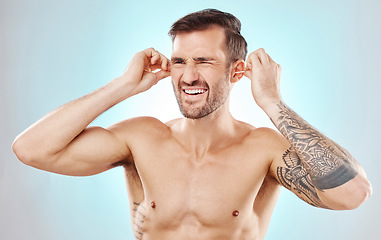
(194, 91)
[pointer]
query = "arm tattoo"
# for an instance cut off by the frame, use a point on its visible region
(295, 178)
(138, 214)
(327, 164)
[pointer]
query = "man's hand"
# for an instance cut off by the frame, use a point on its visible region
(141, 73)
(264, 74)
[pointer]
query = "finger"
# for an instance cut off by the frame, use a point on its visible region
(247, 70)
(247, 74)
(161, 75)
(152, 68)
(263, 57)
(253, 61)
(149, 52)
(160, 65)
(270, 59)
(155, 58)
(165, 63)
(159, 59)
(248, 66)
(277, 66)
(151, 56)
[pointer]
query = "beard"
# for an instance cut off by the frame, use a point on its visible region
(217, 95)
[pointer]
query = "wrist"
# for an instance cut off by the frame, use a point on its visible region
(270, 105)
(117, 90)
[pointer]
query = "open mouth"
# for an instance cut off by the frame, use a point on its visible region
(194, 91)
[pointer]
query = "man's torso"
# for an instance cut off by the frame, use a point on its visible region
(178, 193)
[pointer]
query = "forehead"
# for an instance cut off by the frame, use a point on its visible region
(205, 43)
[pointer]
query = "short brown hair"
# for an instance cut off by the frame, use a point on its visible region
(235, 43)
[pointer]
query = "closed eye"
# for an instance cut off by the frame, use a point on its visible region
(205, 62)
(200, 60)
(177, 61)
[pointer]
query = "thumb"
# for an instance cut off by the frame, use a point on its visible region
(162, 74)
(248, 72)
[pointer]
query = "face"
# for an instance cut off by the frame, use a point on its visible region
(200, 76)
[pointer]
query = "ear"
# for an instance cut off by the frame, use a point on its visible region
(238, 70)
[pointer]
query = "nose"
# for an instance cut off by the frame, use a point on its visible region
(190, 74)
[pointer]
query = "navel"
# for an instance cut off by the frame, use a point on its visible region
(153, 205)
(235, 213)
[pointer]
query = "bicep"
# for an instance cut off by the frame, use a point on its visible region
(289, 171)
(93, 151)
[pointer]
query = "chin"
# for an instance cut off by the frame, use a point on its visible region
(193, 115)
(196, 113)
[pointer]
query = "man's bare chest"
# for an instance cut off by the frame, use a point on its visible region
(210, 188)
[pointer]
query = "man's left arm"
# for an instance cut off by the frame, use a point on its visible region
(314, 167)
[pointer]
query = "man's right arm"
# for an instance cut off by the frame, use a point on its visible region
(62, 143)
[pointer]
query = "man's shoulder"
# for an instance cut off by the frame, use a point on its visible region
(265, 135)
(141, 126)
(264, 132)
(139, 121)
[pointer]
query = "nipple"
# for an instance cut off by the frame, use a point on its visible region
(153, 205)
(235, 213)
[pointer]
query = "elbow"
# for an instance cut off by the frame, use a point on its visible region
(22, 152)
(359, 195)
(363, 193)
(18, 150)
(349, 196)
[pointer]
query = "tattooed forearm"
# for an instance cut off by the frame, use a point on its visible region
(295, 178)
(327, 165)
(138, 214)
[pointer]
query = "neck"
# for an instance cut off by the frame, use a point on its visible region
(204, 134)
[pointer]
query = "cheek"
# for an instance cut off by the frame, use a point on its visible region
(176, 74)
(213, 71)
(175, 77)
(212, 76)
(207, 74)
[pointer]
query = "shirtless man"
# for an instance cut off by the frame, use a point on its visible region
(206, 176)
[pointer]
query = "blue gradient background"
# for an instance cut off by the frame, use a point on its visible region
(52, 52)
